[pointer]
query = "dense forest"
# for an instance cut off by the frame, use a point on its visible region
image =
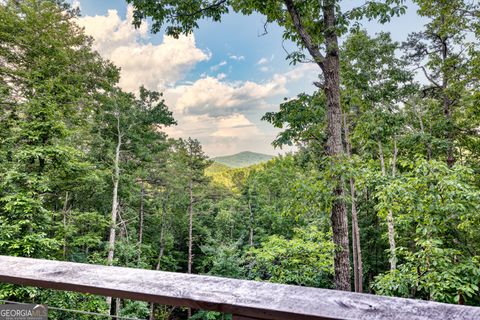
(382, 196)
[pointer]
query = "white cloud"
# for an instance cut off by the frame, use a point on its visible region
(218, 66)
(262, 61)
(222, 114)
(308, 71)
(221, 76)
(153, 65)
(219, 113)
(235, 125)
(235, 57)
(223, 135)
(264, 69)
(215, 98)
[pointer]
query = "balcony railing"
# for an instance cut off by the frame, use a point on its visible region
(246, 300)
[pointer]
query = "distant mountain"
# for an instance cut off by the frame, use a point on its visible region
(243, 159)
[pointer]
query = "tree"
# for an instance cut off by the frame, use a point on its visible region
(194, 163)
(51, 83)
(436, 207)
(306, 259)
(42, 107)
(130, 127)
(376, 82)
(356, 246)
(444, 52)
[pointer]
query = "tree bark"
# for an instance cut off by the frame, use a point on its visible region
(190, 226)
(357, 250)
(428, 145)
(190, 233)
(446, 101)
(65, 225)
(356, 247)
(335, 148)
(390, 222)
(447, 104)
(251, 222)
(140, 222)
(114, 214)
(160, 255)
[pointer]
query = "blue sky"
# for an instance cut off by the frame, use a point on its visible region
(218, 82)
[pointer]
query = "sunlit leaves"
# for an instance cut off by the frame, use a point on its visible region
(306, 259)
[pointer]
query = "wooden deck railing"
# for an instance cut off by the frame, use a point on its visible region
(244, 299)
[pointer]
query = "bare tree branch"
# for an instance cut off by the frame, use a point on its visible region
(429, 77)
(312, 48)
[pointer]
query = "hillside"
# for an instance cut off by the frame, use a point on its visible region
(243, 159)
(216, 167)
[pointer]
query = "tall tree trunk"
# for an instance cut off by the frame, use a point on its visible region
(356, 247)
(446, 101)
(390, 222)
(114, 214)
(338, 214)
(65, 225)
(330, 66)
(422, 130)
(140, 222)
(190, 226)
(123, 235)
(251, 222)
(394, 159)
(447, 104)
(190, 233)
(160, 254)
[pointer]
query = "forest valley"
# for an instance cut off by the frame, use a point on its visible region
(382, 196)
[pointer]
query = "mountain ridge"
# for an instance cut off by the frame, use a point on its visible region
(243, 159)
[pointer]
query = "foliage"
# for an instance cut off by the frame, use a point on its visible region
(434, 205)
(306, 259)
(414, 154)
(433, 273)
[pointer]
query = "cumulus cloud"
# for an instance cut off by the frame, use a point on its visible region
(223, 114)
(224, 135)
(235, 125)
(210, 96)
(153, 65)
(221, 76)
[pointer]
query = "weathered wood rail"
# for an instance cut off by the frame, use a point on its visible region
(244, 299)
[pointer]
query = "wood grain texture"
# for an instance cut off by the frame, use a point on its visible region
(243, 298)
